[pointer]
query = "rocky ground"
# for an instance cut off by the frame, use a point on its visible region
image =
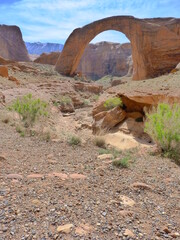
(52, 190)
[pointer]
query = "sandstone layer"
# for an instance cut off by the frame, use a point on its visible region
(105, 58)
(12, 46)
(155, 44)
(98, 60)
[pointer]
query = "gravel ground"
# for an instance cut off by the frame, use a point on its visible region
(51, 190)
(45, 185)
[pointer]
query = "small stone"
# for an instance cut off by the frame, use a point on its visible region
(36, 202)
(175, 235)
(14, 176)
(166, 230)
(127, 201)
(65, 228)
(77, 176)
(129, 233)
(83, 229)
(63, 176)
(105, 156)
(35, 175)
(141, 186)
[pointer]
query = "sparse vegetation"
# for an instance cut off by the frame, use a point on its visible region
(100, 142)
(112, 151)
(64, 100)
(112, 103)
(20, 130)
(74, 140)
(86, 102)
(163, 125)
(95, 98)
(29, 109)
(122, 163)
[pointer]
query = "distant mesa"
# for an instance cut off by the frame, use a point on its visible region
(12, 44)
(155, 44)
(38, 48)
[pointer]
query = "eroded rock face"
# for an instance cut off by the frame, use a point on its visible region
(105, 58)
(98, 60)
(46, 58)
(12, 46)
(155, 44)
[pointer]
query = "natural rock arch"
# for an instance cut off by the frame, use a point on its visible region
(155, 44)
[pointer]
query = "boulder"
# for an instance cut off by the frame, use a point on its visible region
(4, 71)
(88, 87)
(108, 119)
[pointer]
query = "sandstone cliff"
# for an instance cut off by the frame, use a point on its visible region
(105, 58)
(12, 46)
(46, 58)
(155, 44)
(98, 60)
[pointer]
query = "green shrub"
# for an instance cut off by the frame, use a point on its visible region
(74, 140)
(65, 100)
(122, 163)
(20, 130)
(100, 142)
(163, 125)
(112, 103)
(29, 109)
(112, 151)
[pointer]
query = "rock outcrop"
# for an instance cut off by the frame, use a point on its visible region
(12, 46)
(98, 60)
(46, 58)
(155, 44)
(105, 58)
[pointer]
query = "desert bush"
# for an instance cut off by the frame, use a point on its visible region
(65, 100)
(163, 125)
(29, 109)
(100, 142)
(122, 163)
(74, 140)
(112, 103)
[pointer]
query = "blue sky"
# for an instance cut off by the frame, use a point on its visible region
(54, 20)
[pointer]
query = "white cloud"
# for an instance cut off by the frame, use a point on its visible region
(54, 20)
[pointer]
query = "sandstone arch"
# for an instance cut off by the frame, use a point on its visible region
(155, 44)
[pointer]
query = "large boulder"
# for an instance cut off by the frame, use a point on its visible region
(4, 71)
(12, 46)
(106, 120)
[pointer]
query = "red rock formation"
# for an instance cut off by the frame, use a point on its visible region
(105, 58)
(155, 44)
(4, 71)
(46, 58)
(12, 45)
(98, 60)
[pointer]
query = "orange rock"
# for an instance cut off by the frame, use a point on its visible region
(155, 44)
(89, 87)
(4, 71)
(50, 58)
(109, 120)
(11, 78)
